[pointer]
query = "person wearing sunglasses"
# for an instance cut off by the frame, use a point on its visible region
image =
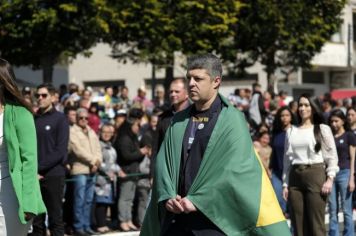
(52, 141)
(20, 196)
(85, 158)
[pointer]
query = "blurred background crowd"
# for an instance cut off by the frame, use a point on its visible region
(131, 127)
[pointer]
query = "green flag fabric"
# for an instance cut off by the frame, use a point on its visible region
(231, 188)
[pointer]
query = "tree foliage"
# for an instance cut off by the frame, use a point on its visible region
(274, 33)
(155, 29)
(38, 33)
(283, 33)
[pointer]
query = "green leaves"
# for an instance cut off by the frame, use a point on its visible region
(68, 7)
(274, 33)
(39, 33)
(159, 28)
(284, 33)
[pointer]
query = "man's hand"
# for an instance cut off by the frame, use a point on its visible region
(174, 206)
(122, 174)
(187, 205)
(29, 216)
(94, 169)
(285, 193)
(144, 150)
(39, 177)
(98, 163)
(351, 184)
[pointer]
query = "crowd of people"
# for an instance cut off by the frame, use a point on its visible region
(308, 150)
(97, 153)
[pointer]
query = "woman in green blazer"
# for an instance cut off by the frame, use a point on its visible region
(20, 196)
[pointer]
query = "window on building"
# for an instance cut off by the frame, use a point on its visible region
(231, 76)
(313, 77)
(149, 82)
(99, 84)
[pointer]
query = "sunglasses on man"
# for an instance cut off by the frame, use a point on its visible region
(43, 95)
(83, 118)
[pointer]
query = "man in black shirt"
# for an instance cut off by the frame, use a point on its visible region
(52, 141)
(204, 76)
(209, 180)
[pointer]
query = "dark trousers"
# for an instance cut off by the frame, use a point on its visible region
(192, 224)
(306, 200)
(68, 205)
(100, 214)
(52, 194)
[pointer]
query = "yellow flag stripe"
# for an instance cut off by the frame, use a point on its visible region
(270, 211)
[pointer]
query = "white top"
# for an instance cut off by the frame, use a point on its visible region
(300, 149)
(4, 166)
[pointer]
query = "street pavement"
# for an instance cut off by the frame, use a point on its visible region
(341, 220)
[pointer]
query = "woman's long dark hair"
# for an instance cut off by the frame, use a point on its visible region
(317, 119)
(340, 114)
(8, 87)
(277, 126)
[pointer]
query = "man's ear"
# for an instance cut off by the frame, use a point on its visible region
(217, 82)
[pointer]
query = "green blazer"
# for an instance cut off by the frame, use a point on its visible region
(21, 143)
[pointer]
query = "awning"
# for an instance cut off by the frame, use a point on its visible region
(343, 93)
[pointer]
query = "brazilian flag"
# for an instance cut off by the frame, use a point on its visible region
(231, 188)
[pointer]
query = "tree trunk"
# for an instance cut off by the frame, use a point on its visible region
(169, 74)
(47, 64)
(153, 81)
(272, 83)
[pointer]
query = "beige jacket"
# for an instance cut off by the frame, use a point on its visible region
(84, 150)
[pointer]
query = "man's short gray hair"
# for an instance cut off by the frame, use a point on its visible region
(81, 110)
(209, 62)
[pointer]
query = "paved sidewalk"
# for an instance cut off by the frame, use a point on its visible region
(136, 233)
(341, 219)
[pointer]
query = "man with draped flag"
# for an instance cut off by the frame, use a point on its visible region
(208, 178)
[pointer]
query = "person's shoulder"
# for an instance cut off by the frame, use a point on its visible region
(166, 114)
(293, 127)
(74, 128)
(257, 144)
(19, 110)
(325, 127)
(60, 115)
(350, 135)
(92, 132)
(291, 130)
(233, 112)
(183, 113)
(103, 144)
(325, 130)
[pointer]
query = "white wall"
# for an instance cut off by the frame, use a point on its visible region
(100, 66)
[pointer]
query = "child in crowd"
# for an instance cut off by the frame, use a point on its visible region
(263, 149)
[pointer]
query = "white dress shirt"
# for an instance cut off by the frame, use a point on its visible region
(300, 149)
